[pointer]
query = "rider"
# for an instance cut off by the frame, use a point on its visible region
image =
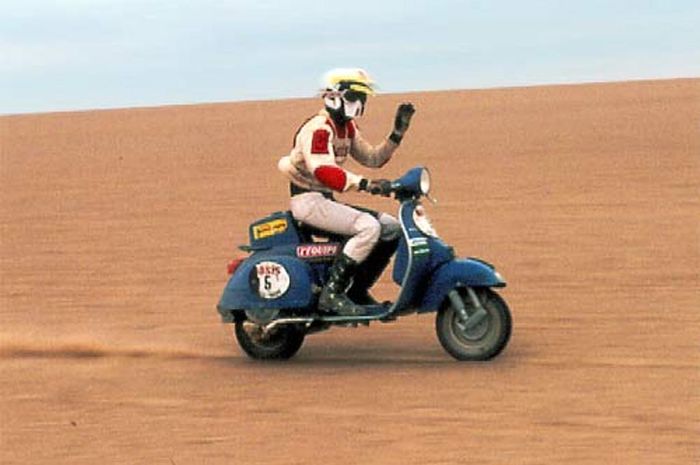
(313, 167)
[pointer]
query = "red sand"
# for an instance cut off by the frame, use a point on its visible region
(117, 227)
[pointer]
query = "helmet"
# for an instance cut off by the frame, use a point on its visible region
(345, 92)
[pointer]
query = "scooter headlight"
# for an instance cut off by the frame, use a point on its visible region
(425, 181)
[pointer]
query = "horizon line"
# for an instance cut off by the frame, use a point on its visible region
(310, 97)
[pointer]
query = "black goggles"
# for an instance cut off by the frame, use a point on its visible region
(354, 96)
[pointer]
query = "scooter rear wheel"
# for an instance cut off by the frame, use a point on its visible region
(482, 342)
(281, 343)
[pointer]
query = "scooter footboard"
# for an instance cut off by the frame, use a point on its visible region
(469, 272)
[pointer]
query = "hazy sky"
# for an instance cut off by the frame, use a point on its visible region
(80, 54)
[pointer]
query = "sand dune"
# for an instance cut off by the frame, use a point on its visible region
(117, 227)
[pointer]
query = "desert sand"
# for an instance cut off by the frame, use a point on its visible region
(117, 227)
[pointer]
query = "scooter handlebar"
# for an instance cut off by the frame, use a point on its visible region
(382, 187)
(415, 183)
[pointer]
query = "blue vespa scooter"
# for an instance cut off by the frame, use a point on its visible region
(272, 295)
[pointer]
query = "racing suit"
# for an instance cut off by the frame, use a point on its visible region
(313, 168)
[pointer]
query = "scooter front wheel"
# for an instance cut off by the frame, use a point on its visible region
(482, 341)
(280, 343)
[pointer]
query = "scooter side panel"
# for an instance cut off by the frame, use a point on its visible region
(440, 252)
(268, 282)
(459, 272)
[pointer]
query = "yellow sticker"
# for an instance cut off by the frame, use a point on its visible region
(270, 228)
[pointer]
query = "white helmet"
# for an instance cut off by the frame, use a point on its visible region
(345, 92)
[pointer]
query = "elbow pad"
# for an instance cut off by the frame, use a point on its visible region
(332, 176)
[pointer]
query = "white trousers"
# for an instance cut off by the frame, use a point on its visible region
(314, 209)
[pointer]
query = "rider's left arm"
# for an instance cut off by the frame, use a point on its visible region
(371, 156)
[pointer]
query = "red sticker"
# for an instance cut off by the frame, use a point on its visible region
(319, 144)
(312, 251)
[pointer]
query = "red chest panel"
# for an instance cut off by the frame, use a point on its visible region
(319, 143)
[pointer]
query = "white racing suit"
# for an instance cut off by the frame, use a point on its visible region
(313, 168)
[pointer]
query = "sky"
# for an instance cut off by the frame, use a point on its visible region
(65, 55)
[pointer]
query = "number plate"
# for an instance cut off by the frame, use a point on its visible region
(272, 280)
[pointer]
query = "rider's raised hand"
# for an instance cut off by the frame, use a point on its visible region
(402, 121)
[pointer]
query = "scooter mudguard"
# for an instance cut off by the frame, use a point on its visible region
(469, 272)
(268, 282)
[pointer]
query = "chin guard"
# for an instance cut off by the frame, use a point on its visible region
(343, 110)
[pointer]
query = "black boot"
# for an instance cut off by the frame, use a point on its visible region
(333, 298)
(372, 269)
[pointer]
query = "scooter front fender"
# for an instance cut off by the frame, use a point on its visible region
(469, 272)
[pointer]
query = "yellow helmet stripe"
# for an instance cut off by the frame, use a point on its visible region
(362, 87)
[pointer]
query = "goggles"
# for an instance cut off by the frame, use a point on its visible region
(354, 96)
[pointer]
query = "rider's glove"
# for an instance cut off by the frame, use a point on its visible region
(376, 187)
(401, 122)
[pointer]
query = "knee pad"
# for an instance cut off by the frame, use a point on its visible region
(390, 232)
(391, 228)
